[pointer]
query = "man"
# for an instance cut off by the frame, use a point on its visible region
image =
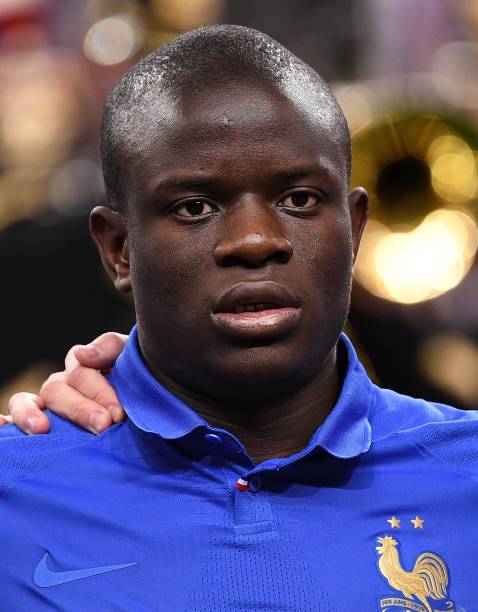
(259, 468)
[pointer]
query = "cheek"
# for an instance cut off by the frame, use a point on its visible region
(325, 253)
(167, 266)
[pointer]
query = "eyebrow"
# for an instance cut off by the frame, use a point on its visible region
(194, 183)
(299, 173)
(191, 183)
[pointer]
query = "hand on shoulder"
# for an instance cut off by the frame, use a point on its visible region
(80, 393)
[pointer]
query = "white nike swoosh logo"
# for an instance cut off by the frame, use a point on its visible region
(45, 577)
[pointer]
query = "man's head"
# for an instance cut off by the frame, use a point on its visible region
(226, 163)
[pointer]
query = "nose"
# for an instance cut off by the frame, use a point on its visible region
(252, 237)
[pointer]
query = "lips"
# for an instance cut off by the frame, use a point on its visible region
(256, 310)
(266, 293)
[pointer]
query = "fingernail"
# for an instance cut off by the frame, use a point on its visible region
(31, 422)
(116, 412)
(98, 421)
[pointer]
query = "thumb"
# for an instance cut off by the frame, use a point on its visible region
(100, 354)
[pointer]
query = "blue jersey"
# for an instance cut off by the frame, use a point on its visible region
(164, 512)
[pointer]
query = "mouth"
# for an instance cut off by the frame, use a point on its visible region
(256, 310)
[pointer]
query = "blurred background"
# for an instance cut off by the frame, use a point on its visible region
(406, 75)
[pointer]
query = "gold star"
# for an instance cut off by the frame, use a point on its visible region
(394, 522)
(417, 522)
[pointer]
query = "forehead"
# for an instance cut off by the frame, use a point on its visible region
(239, 125)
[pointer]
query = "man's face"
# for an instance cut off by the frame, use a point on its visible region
(240, 241)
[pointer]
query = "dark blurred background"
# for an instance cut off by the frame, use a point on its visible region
(406, 75)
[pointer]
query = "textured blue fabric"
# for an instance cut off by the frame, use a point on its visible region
(157, 495)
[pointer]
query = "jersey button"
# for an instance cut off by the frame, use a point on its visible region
(255, 483)
(213, 438)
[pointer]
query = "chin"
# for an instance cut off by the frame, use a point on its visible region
(261, 370)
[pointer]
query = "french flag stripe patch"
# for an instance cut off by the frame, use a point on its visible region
(242, 484)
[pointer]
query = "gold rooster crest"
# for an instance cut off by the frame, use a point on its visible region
(427, 580)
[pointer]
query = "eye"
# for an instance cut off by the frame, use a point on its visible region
(300, 199)
(194, 208)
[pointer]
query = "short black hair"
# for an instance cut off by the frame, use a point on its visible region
(197, 59)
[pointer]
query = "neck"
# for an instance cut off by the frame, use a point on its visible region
(277, 427)
(283, 427)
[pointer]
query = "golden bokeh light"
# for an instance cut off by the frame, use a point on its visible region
(420, 170)
(113, 40)
(410, 267)
(450, 362)
(36, 125)
(354, 101)
(453, 169)
(182, 15)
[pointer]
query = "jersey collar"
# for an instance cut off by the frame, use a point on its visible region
(345, 433)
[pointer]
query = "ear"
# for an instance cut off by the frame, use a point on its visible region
(108, 230)
(358, 207)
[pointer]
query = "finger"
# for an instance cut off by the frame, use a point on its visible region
(100, 354)
(71, 405)
(26, 411)
(94, 386)
(4, 419)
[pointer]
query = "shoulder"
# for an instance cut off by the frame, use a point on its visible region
(21, 454)
(444, 433)
(60, 430)
(393, 412)
(10, 431)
